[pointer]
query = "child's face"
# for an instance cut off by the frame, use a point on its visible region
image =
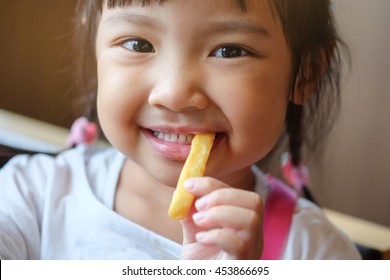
(187, 67)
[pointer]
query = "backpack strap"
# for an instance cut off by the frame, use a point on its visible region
(278, 211)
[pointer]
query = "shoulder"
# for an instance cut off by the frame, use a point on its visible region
(40, 171)
(313, 236)
(81, 155)
(37, 191)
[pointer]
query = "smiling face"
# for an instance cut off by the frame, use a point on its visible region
(167, 72)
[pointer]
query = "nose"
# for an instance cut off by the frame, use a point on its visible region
(178, 87)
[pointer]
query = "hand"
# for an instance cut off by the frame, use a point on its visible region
(224, 223)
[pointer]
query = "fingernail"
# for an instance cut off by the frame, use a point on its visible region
(200, 236)
(201, 203)
(189, 184)
(198, 216)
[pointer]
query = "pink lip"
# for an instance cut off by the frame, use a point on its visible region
(169, 150)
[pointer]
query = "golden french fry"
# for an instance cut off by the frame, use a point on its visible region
(194, 166)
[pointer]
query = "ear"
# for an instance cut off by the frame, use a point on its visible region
(302, 91)
(309, 76)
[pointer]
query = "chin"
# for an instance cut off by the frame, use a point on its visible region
(167, 175)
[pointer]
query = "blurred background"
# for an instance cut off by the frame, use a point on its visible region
(354, 175)
(35, 55)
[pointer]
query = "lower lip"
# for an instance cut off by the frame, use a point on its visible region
(168, 150)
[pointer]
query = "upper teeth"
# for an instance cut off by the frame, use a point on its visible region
(172, 137)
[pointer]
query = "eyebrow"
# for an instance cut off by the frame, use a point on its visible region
(240, 26)
(131, 18)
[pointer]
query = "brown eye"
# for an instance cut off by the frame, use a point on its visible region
(230, 52)
(139, 45)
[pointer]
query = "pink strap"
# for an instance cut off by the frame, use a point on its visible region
(278, 212)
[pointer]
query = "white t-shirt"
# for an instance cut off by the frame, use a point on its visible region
(62, 208)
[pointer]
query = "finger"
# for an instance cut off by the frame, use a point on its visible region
(231, 243)
(226, 240)
(189, 227)
(230, 196)
(203, 185)
(229, 216)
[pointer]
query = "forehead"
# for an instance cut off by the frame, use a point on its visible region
(241, 4)
(119, 3)
(261, 8)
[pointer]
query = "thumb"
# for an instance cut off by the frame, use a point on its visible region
(189, 227)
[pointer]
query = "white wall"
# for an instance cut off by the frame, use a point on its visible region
(355, 175)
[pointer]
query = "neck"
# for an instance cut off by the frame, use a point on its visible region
(143, 200)
(242, 179)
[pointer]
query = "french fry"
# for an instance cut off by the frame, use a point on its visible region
(194, 166)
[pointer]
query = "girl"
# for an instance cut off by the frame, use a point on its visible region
(165, 71)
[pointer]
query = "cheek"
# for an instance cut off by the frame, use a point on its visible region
(117, 103)
(256, 108)
(110, 101)
(256, 127)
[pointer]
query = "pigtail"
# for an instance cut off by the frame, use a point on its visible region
(294, 119)
(294, 172)
(316, 49)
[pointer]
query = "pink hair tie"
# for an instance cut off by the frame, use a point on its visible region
(296, 176)
(82, 131)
